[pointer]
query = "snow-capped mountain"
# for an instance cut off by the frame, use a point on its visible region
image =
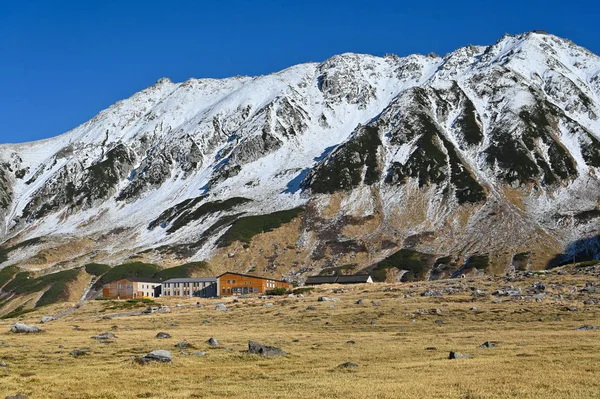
(489, 152)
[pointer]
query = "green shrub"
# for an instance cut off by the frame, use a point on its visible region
(247, 227)
(415, 262)
(7, 274)
(278, 292)
(96, 269)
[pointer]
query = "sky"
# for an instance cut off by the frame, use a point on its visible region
(63, 61)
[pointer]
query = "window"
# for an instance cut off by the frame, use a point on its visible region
(118, 286)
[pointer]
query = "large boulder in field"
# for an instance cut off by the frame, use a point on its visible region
(22, 328)
(263, 350)
(159, 355)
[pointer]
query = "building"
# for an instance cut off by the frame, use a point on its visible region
(206, 287)
(132, 287)
(351, 279)
(243, 284)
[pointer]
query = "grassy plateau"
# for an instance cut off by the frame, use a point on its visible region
(399, 339)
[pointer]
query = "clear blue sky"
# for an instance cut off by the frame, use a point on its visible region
(64, 61)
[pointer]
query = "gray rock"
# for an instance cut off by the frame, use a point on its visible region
(487, 345)
(587, 328)
(360, 302)
(212, 342)
(163, 335)
(46, 319)
(159, 355)
(311, 308)
(351, 342)
(22, 328)
(432, 293)
(221, 307)
(199, 353)
(327, 299)
(183, 345)
(164, 309)
(17, 396)
(262, 350)
(3, 364)
(80, 352)
(348, 365)
(456, 355)
(104, 336)
(268, 304)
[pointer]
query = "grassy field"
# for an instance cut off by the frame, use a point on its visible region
(400, 353)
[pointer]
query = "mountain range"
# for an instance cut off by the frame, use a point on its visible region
(485, 160)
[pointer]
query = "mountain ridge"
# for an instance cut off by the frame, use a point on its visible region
(490, 151)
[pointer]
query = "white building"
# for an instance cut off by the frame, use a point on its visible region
(204, 287)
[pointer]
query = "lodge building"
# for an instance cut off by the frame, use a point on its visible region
(243, 284)
(132, 287)
(206, 287)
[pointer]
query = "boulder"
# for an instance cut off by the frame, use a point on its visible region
(360, 302)
(3, 364)
(221, 307)
(327, 299)
(46, 319)
(212, 342)
(80, 352)
(268, 351)
(17, 396)
(183, 345)
(587, 328)
(23, 328)
(159, 355)
(163, 335)
(456, 355)
(348, 365)
(104, 336)
(487, 345)
(311, 308)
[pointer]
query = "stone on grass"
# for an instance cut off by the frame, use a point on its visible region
(184, 345)
(487, 345)
(311, 308)
(221, 307)
(212, 342)
(199, 353)
(348, 365)
(159, 355)
(163, 335)
(587, 328)
(17, 396)
(46, 319)
(104, 336)
(3, 364)
(360, 302)
(456, 355)
(263, 350)
(327, 299)
(80, 352)
(23, 328)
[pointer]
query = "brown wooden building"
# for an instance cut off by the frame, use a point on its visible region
(243, 284)
(132, 287)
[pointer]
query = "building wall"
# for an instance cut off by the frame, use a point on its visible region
(146, 290)
(120, 289)
(191, 289)
(235, 284)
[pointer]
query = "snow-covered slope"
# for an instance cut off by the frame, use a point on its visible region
(489, 151)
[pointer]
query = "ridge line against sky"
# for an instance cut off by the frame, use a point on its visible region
(64, 61)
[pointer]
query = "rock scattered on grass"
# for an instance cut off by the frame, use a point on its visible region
(221, 307)
(22, 328)
(103, 336)
(587, 328)
(159, 355)
(348, 365)
(456, 355)
(263, 350)
(487, 345)
(80, 352)
(184, 345)
(46, 319)
(212, 342)
(327, 299)
(163, 335)
(17, 396)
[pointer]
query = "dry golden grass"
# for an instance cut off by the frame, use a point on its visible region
(533, 358)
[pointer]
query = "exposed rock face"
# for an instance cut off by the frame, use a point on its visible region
(483, 161)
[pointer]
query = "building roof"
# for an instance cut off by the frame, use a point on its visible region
(192, 280)
(142, 280)
(248, 275)
(321, 279)
(357, 278)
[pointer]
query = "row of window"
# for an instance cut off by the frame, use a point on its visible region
(176, 285)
